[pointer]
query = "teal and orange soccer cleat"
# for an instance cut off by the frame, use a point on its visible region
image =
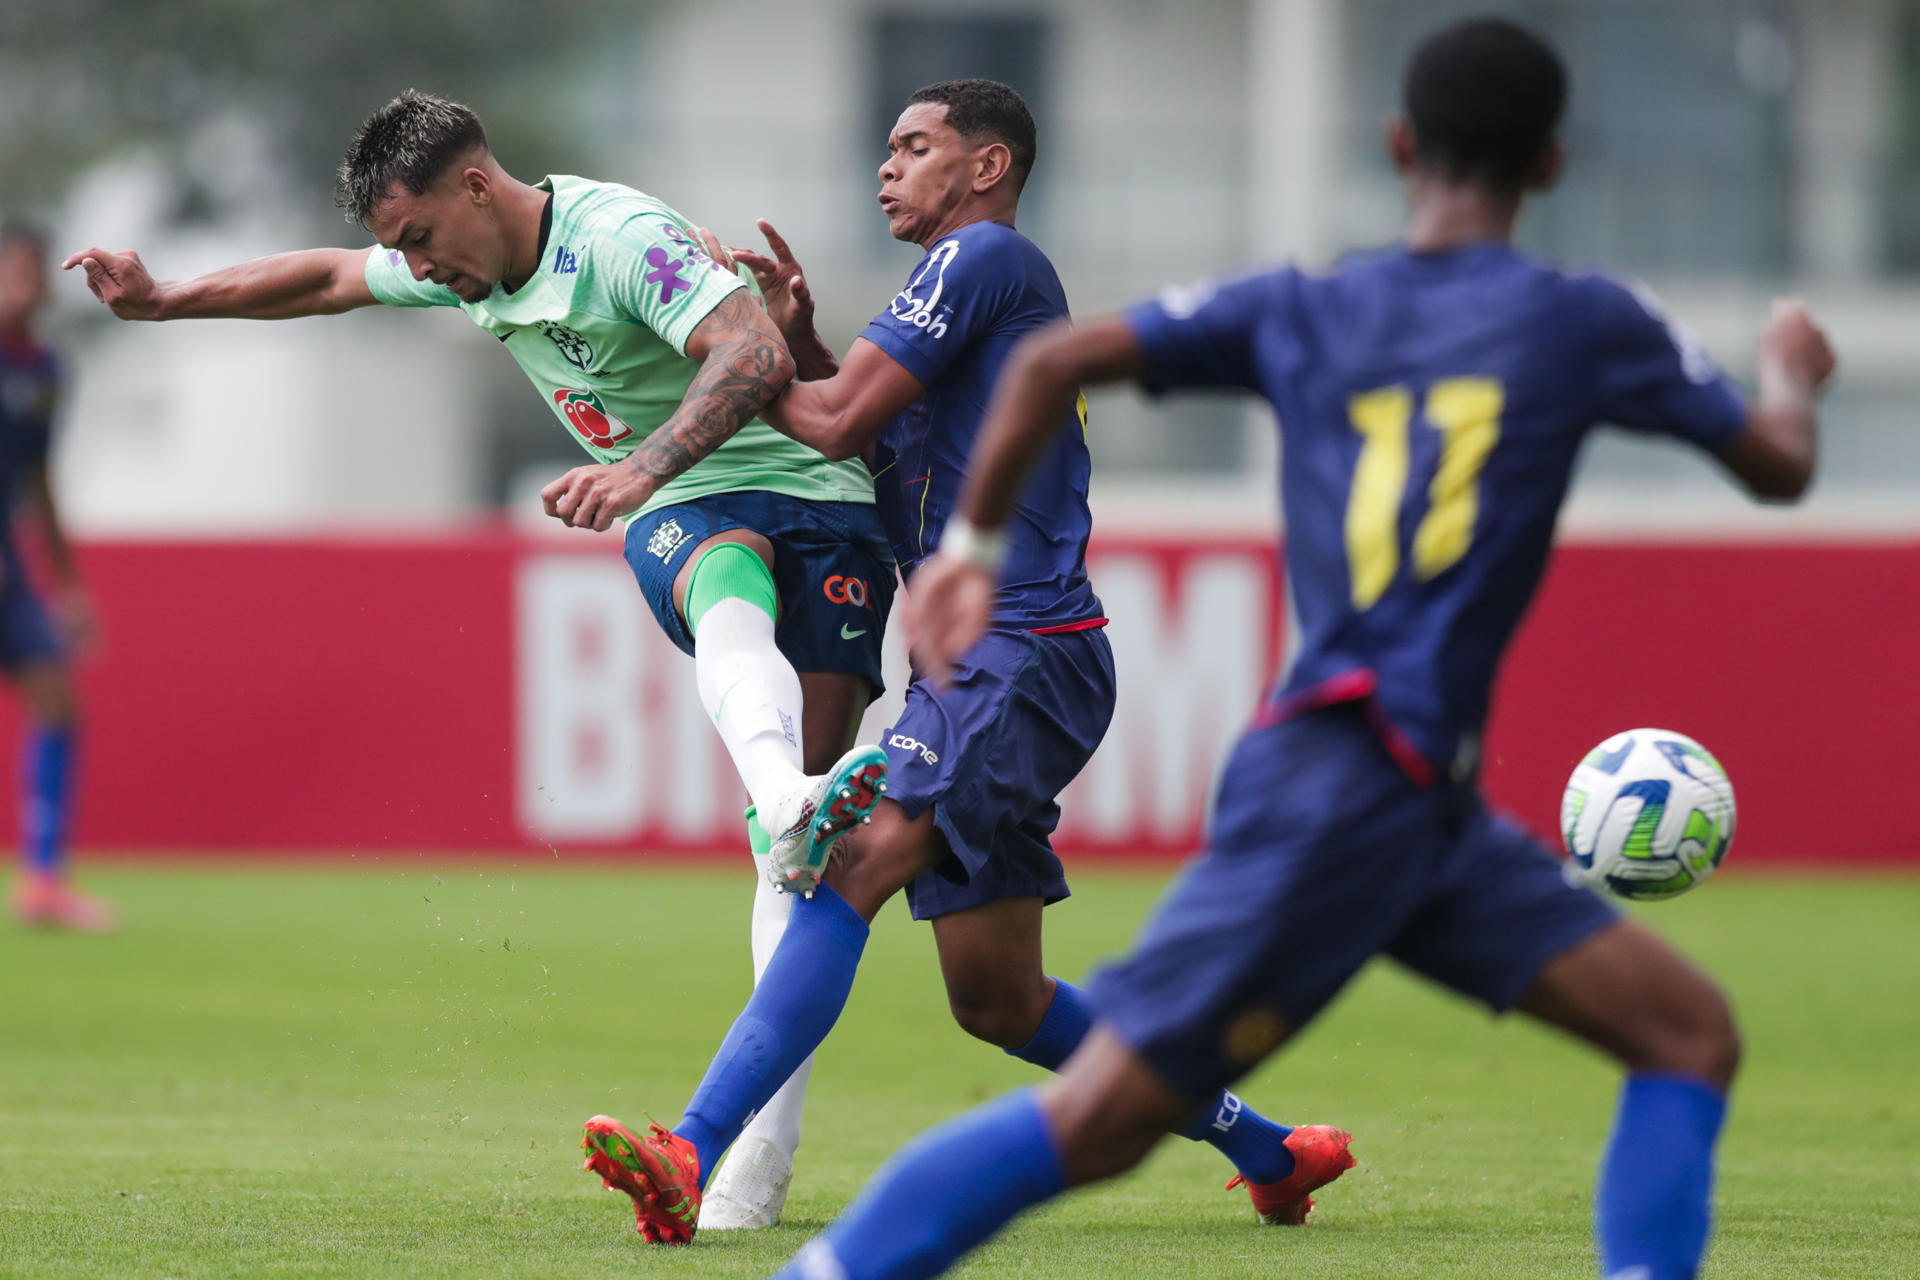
(660, 1171)
(1319, 1156)
(835, 803)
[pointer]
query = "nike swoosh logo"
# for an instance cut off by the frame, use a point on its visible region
(851, 635)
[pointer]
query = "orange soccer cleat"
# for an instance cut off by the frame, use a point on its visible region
(1319, 1156)
(48, 901)
(661, 1172)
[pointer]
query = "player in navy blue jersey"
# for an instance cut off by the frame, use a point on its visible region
(34, 642)
(1432, 398)
(973, 768)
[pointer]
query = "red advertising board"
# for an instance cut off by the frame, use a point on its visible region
(494, 693)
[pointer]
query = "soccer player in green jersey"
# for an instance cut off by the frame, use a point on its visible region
(759, 556)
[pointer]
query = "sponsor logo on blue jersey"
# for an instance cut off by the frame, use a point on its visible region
(919, 303)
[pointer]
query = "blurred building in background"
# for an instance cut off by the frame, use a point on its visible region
(1722, 151)
(437, 679)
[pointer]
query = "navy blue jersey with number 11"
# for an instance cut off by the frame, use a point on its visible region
(1431, 409)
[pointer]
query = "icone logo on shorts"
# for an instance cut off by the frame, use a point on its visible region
(844, 590)
(590, 417)
(905, 743)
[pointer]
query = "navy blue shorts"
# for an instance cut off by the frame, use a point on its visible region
(832, 567)
(26, 633)
(1323, 854)
(991, 753)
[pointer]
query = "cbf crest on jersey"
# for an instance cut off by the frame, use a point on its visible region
(572, 343)
(919, 303)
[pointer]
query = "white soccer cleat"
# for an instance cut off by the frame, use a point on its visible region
(750, 1190)
(834, 803)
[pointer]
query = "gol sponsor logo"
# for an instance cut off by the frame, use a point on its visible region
(842, 589)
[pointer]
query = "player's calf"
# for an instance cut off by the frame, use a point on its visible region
(1107, 1110)
(1633, 997)
(997, 987)
(1630, 995)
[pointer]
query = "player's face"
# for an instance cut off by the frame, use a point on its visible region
(23, 281)
(929, 173)
(447, 233)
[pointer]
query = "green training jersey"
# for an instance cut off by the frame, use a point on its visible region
(601, 328)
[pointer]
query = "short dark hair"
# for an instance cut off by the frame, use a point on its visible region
(1485, 97)
(410, 141)
(987, 111)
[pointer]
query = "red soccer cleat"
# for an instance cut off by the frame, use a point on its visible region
(50, 902)
(1319, 1156)
(661, 1172)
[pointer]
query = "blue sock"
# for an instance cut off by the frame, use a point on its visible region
(1068, 1020)
(794, 1005)
(47, 763)
(1655, 1202)
(1255, 1144)
(944, 1193)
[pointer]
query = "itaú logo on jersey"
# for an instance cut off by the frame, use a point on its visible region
(919, 303)
(584, 411)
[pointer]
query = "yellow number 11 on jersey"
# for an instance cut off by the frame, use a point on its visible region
(1466, 413)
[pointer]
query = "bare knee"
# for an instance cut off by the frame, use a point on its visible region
(874, 862)
(1008, 1018)
(1094, 1149)
(1630, 995)
(1697, 1038)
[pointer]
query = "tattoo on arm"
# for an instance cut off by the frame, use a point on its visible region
(744, 370)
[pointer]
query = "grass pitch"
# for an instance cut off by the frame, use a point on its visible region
(381, 1069)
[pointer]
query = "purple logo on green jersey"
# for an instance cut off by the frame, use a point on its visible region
(666, 274)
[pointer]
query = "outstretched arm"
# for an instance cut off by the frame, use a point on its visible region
(836, 409)
(743, 366)
(842, 415)
(309, 282)
(953, 592)
(1042, 378)
(1774, 457)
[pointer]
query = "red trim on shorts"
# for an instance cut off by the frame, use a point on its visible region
(1355, 686)
(1067, 628)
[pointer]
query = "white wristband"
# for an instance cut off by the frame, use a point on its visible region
(982, 548)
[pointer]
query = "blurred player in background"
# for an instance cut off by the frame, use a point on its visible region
(1433, 398)
(658, 362)
(975, 769)
(35, 641)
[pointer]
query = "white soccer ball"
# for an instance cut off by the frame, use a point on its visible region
(1648, 814)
